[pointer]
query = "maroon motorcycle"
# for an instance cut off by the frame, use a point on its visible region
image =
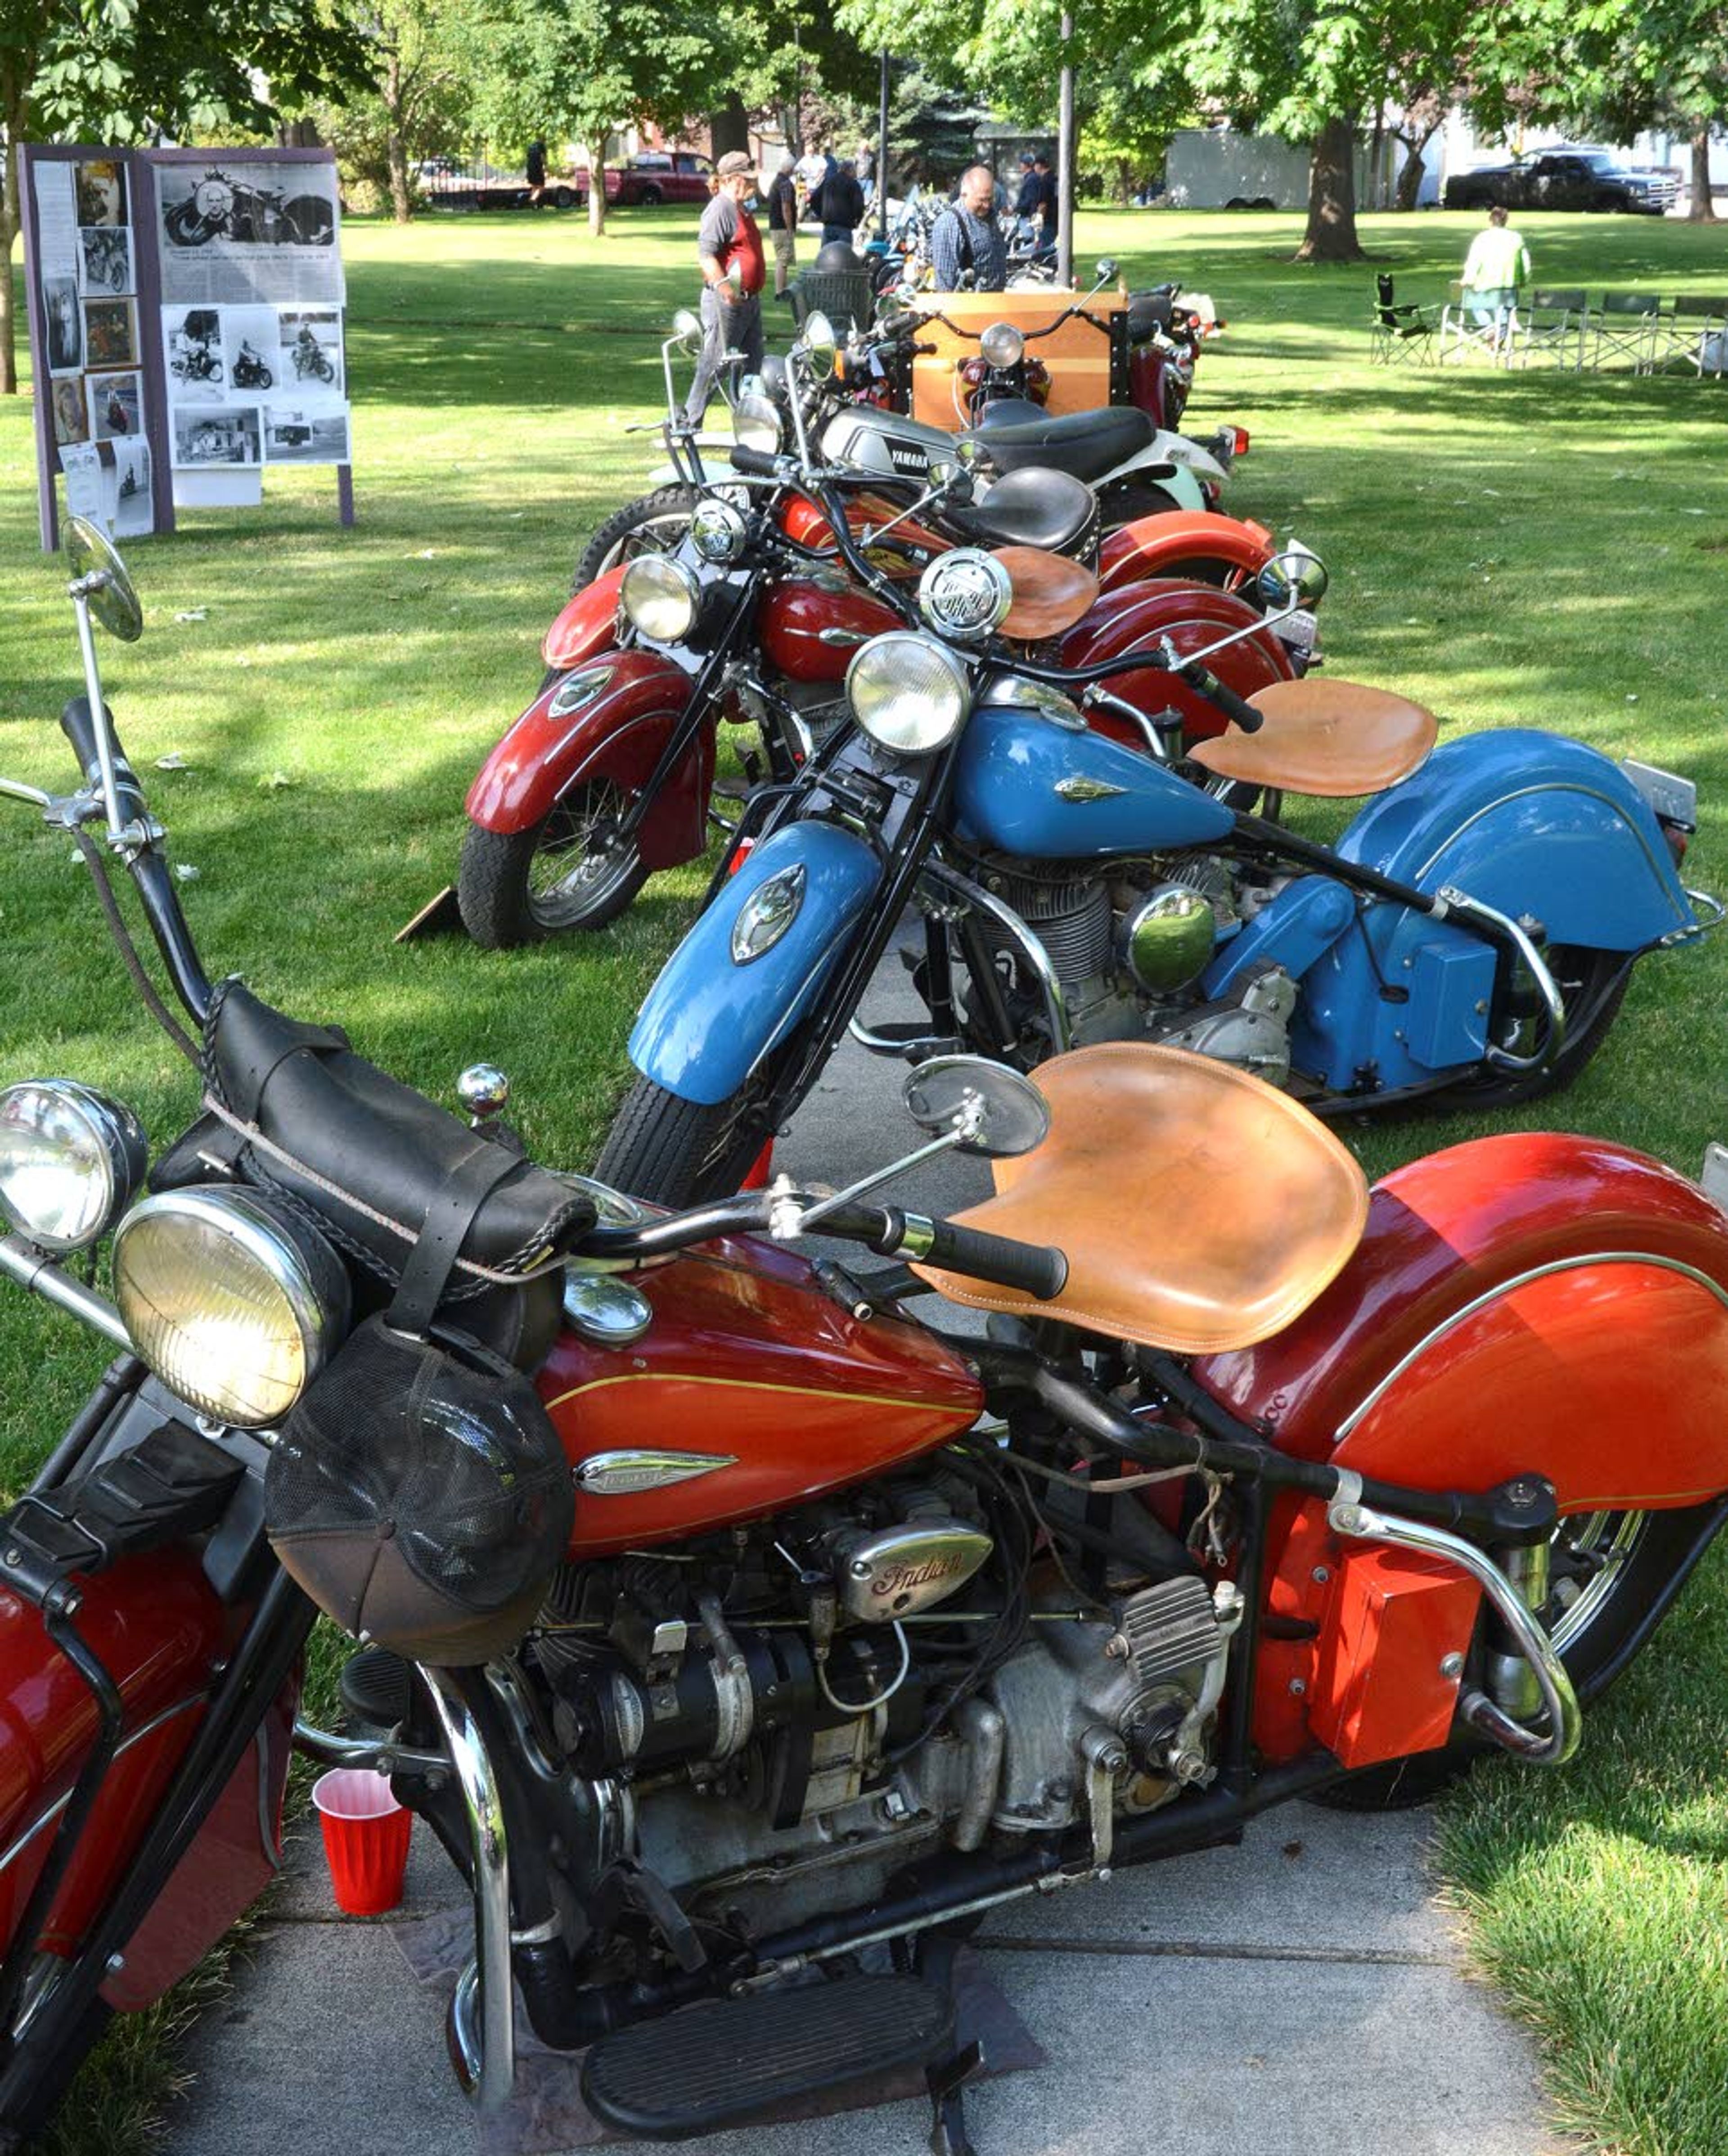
(726, 1625)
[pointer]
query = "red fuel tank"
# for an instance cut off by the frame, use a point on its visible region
(773, 1392)
(809, 632)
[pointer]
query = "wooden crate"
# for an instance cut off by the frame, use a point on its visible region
(1078, 354)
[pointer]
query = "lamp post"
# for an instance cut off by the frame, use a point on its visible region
(882, 155)
(1066, 162)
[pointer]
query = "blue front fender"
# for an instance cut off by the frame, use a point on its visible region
(709, 1020)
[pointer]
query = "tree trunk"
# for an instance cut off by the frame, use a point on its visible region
(729, 127)
(1410, 176)
(1125, 181)
(1331, 236)
(1701, 210)
(395, 151)
(596, 188)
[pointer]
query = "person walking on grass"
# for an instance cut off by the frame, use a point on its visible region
(728, 252)
(535, 170)
(1496, 265)
(783, 223)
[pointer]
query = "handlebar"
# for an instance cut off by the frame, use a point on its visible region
(1229, 702)
(1033, 1269)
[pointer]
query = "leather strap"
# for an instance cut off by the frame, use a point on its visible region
(449, 1218)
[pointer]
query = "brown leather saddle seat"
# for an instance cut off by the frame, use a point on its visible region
(1329, 738)
(1051, 593)
(1199, 1208)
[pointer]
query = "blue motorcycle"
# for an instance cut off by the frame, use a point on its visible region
(1469, 939)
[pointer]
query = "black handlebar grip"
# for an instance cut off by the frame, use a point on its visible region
(759, 461)
(1229, 702)
(80, 730)
(926, 350)
(1034, 1268)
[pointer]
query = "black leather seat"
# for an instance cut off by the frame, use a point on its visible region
(1086, 443)
(1032, 508)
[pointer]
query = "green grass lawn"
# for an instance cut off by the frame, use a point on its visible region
(1535, 549)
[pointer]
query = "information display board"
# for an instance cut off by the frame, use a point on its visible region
(186, 312)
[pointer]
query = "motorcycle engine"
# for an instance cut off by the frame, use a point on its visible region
(777, 1714)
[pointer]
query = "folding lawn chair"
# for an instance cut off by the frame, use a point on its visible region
(1552, 327)
(1695, 333)
(1400, 331)
(1626, 326)
(1480, 324)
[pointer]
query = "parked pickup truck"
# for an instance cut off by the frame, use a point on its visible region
(651, 177)
(1565, 179)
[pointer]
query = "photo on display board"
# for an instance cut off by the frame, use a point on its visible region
(249, 348)
(213, 435)
(304, 434)
(312, 349)
(65, 326)
(191, 351)
(72, 421)
(110, 333)
(116, 405)
(101, 192)
(105, 252)
(134, 512)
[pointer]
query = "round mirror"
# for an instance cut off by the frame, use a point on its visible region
(95, 564)
(684, 324)
(819, 340)
(1107, 267)
(1295, 577)
(996, 1111)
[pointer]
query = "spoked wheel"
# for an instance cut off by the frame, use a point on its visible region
(1593, 985)
(652, 524)
(569, 871)
(1607, 1572)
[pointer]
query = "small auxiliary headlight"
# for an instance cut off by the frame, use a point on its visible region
(909, 693)
(966, 593)
(70, 1161)
(718, 531)
(233, 1306)
(660, 597)
(1002, 345)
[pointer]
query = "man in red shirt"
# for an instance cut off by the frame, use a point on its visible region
(729, 252)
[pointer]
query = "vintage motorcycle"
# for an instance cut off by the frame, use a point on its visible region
(607, 775)
(309, 357)
(827, 1633)
(193, 361)
(250, 371)
(1468, 938)
(220, 208)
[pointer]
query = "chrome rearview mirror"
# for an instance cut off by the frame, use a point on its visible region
(819, 341)
(1295, 577)
(686, 324)
(99, 577)
(1107, 267)
(979, 1106)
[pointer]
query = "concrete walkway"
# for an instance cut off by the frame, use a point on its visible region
(1301, 1993)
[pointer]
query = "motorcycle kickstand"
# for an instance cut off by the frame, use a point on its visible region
(933, 1959)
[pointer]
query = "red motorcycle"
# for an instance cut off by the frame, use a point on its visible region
(726, 1624)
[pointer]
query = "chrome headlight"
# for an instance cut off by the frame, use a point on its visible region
(235, 1307)
(70, 1162)
(756, 424)
(717, 530)
(1002, 345)
(909, 694)
(966, 593)
(660, 597)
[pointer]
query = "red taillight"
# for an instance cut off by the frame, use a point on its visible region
(1239, 440)
(1677, 841)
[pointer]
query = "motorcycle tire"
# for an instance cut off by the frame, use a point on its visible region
(676, 1152)
(184, 227)
(652, 524)
(266, 380)
(516, 887)
(1133, 499)
(1593, 984)
(1589, 1644)
(306, 221)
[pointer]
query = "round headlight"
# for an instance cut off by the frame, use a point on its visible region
(1002, 345)
(965, 594)
(71, 1160)
(660, 597)
(909, 693)
(718, 531)
(232, 1306)
(756, 424)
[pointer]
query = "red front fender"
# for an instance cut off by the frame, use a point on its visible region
(588, 624)
(610, 719)
(1175, 543)
(1137, 617)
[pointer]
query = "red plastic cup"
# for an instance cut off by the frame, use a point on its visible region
(366, 1839)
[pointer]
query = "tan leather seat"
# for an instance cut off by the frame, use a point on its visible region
(1333, 738)
(1051, 593)
(1199, 1208)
